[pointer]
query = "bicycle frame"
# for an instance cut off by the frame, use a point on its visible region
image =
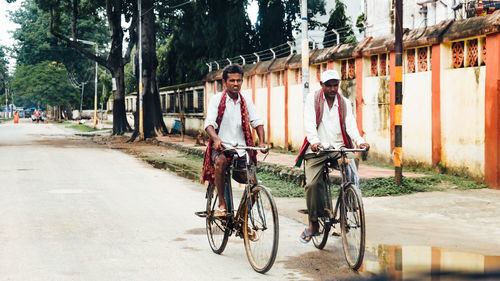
(342, 162)
(236, 219)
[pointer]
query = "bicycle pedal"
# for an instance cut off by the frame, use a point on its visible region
(335, 233)
(201, 214)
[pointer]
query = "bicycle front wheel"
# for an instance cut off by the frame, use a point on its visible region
(352, 224)
(261, 229)
(217, 231)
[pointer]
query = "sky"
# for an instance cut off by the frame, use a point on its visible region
(7, 27)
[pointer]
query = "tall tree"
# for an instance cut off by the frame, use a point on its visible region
(153, 124)
(44, 83)
(341, 22)
(278, 19)
(115, 60)
(34, 44)
(3, 70)
(199, 32)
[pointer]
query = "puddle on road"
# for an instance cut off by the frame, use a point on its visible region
(388, 262)
(428, 263)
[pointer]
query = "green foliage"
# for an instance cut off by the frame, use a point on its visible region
(3, 70)
(82, 128)
(277, 20)
(279, 187)
(36, 44)
(387, 186)
(360, 22)
(199, 32)
(340, 22)
(44, 83)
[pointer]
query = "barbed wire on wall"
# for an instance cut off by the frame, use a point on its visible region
(279, 51)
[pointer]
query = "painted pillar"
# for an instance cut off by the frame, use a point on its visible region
(435, 263)
(205, 100)
(436, 104)
(492, 112)
(285, 83)
(359, 94)
(268, 80)
(392, 91)
(253, 99)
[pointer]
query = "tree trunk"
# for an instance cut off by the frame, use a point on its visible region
(120, 123)
(152, 115)
(114, 63)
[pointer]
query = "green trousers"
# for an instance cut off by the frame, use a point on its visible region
(315, 188)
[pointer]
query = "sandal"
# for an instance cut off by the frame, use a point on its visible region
(220, 213)
(252, 235)
(307, 236)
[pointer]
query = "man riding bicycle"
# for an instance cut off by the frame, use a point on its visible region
(328, 120)
(229, 117)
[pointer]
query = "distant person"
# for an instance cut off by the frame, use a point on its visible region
(37, 115)
(16, 117)
(328, 120)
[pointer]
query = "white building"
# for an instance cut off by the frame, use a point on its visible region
(380, 14)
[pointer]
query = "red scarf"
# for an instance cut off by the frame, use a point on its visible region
(319, 101)
(208, 163)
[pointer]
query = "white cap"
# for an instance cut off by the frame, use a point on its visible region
(329, 75)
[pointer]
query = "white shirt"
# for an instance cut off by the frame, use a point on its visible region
(329, 128)
(231, 130)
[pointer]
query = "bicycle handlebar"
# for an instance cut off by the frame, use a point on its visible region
(342, 150)
(229, 146)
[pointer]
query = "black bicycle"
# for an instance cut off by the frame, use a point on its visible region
(348, 210)
(255, 220)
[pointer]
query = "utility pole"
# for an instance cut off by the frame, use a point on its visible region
(305, 51)
(6, 103)
(139, 47)
(95, 90)
(398, 104)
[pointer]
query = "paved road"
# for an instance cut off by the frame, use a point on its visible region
(73, 210)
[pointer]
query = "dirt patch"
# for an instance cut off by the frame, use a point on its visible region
(312, 264)
(161, 157)
(67, 142)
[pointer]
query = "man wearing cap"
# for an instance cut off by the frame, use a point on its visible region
(328, 121)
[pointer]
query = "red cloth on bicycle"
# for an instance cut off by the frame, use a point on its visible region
(208, 172)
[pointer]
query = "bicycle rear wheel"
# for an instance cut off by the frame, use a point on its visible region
(217, 231)
(261, 216)
(352, 224)
(320, 239)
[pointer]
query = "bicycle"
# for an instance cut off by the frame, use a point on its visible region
(349, 211)
(256, 212)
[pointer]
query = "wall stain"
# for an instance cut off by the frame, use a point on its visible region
(383, 99)
(477, 71)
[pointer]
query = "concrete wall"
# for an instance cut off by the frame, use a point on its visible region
(417, 130)
(376, 115)
(462, 116)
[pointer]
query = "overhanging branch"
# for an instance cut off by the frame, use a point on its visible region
(74, 44)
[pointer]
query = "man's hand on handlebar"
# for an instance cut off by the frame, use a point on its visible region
(316, 147)
(265, 147)
(365, 146)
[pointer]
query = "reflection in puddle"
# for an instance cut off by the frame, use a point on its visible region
(426, 263)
